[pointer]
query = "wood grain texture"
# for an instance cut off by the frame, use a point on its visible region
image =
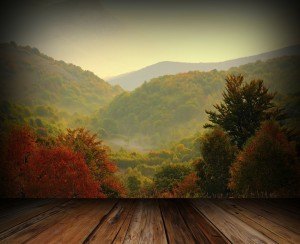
(147, 224)
(108, 230)
(17, 214)
(274, 231)
(35, 228)
(176, 229)
(75, 227)
(150, 221)
(275, 215)
(202, 229)
(234, 229)
(123, 231)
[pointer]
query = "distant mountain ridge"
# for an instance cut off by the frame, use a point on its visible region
(130, 81)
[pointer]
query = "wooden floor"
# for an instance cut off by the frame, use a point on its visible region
(149, 221)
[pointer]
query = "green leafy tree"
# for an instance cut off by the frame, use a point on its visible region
(169, 176)
(133, 185)
(218, 154)
(244, 107)
(267, 164)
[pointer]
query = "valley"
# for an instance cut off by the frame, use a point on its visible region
(151, 132)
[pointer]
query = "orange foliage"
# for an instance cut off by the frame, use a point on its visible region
(92, 149)
(96, 158)
(165, 194)
(113, 188)
(31, 170)
(187, 187)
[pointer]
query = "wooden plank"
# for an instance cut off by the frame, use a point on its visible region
(11, 203)
(38, 224)
(234, 229)
(202, 229)
(15, 206)
(76, 226)
(123, 231)
(285, 219)
(291, 205)
(274, 231)
(149, 221)
(108, 229)
(146, 225)
(176, 229)
(25, 210)
(286, 210)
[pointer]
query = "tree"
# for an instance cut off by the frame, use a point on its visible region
(267, 164)
(59, 172)
(169, 176)
(244, 107)
(112, 187)
(96, 157)
(133, 185)
(188, 187)
(31, 170)
(213, 169)
(17, 147)
(92, 149)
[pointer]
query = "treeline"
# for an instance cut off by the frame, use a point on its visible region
(172, 107)
(248, 152)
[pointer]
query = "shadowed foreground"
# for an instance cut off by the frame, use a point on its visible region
(150, 221)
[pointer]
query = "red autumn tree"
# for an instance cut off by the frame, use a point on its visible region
(59, 172)
(31, 170)
(17, 147)
(92, 149)
(96, 158)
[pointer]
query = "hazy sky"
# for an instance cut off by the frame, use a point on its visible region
(114, 37)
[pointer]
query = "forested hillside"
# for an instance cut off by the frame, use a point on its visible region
(165, 109)
(31, 78)
(172, 107)
(157, 145)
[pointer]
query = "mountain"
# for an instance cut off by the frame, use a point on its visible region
(30, 78)
(171, 107)
(132, 80)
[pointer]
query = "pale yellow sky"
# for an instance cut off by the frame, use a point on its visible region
(188, 35)
(195, 41)
(114, 38)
